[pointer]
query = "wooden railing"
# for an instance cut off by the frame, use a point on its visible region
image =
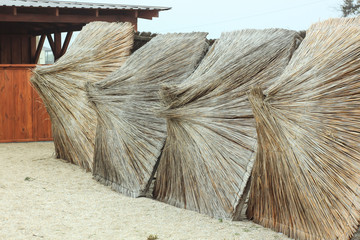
(23, 117)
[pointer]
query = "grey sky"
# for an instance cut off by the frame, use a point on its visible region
(215, 17)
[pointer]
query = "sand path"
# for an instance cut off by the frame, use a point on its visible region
(46, 198)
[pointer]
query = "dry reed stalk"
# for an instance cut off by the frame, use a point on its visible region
(99, 49)
(209, 151)
(130, 137)
(306, 177)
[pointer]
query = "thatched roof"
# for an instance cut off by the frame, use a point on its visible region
(99, 49)
(130, 137)
(209, 151)
(306, 179)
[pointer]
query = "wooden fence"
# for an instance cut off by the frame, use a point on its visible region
(23, 117)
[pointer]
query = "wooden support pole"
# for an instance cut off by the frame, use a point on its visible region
(135, 24)
(57, 41)
(51, 43)
(66, 43)
(39, 48)
(32, 49)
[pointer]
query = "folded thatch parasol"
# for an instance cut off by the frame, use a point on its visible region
(306, 179)
(99, 49)
(208, 156)
(130, 137)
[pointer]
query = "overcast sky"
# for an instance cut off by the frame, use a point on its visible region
(215, 17)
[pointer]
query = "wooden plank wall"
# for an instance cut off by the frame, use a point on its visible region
(16, 49)
(23, 117)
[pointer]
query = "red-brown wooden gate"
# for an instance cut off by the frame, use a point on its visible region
(23, 117)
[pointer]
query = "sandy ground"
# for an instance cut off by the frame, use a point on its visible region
(46, 198)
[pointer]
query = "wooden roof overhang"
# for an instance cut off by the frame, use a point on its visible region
(42, 17)
(45, 20)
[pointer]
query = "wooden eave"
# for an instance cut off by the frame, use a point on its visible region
(34, 29)
(37, 14)
(41, 20)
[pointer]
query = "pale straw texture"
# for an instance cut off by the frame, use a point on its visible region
(99, 49)
(306, 178)
(209, 151)
(130, 137)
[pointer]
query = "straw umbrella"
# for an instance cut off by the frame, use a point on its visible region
(129, 136)
(99, 49)
(306, 179)
(209, 151)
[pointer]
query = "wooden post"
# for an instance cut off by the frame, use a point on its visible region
(38, 49)
(51, 43)
(135, 24)
(55, 44)
(66, 43)
(32, 49)
(57, 41)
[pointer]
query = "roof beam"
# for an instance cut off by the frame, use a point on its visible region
(64, 18)
(57, 29)
(131, 13)
(148, 14)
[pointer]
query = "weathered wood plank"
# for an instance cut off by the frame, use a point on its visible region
(16, 50)
(42, 123)
(8, 105)
(5, 50)
(25, 50)
(22, 104)
(3, 99)
(20, 120)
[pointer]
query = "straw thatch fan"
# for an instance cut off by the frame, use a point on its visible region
(306, 179)
(209, 151)
(130, 137)
(99, 49)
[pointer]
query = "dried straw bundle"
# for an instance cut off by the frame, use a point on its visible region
(130, 137)
(99, 49)
(307, 171)
(208, 155)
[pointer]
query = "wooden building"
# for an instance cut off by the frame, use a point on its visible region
(22, 22)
